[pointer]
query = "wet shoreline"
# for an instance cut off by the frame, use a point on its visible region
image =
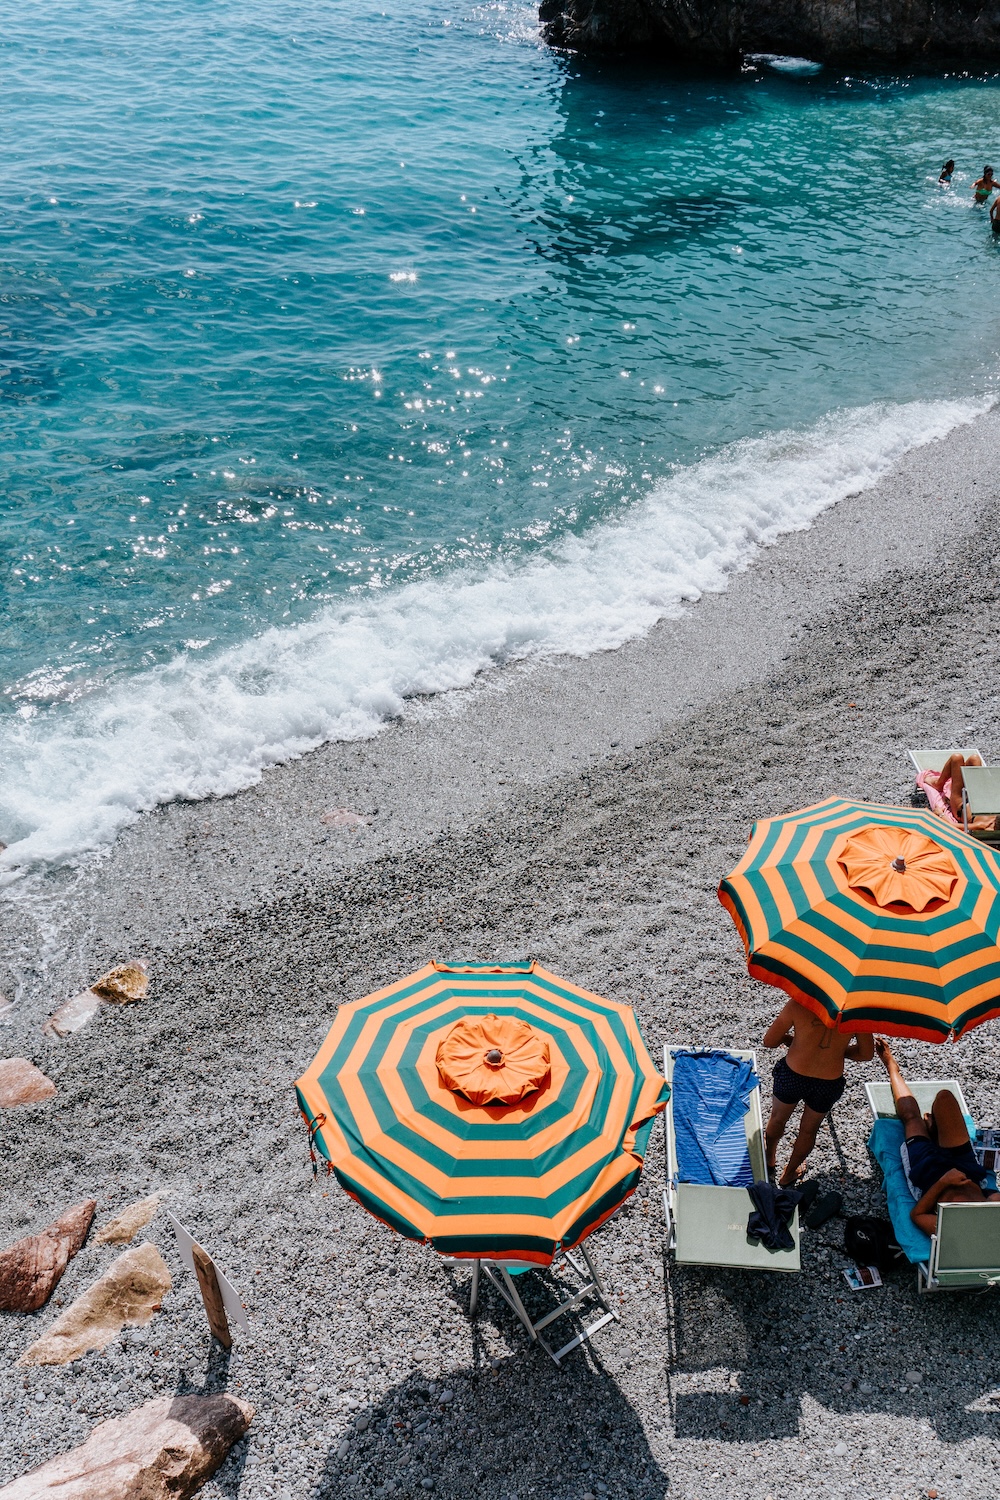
(582, 813)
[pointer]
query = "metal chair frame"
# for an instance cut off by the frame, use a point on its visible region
(499, 1274)
(982, 780)
(931, 1276)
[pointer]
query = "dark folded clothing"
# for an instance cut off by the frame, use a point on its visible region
(773, 1210)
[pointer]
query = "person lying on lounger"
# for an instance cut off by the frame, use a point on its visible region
(944, 790)
(942, 1163)
(811, 1074)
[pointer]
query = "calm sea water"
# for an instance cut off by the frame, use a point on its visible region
(346, 351)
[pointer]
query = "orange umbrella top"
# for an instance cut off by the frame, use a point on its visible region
(877, 918)
(486, 1109)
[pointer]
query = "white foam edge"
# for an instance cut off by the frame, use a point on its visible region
(75, 774)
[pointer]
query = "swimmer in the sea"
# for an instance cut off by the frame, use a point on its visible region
(946, 174)
(995, 215)
(984, 187)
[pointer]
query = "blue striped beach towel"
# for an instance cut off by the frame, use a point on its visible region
(710, 1096)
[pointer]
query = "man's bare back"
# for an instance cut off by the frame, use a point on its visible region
(815, 1050)
(811, 1074)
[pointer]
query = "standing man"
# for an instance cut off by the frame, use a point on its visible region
(811, 1074)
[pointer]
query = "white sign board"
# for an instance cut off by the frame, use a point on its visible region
(235, 1311)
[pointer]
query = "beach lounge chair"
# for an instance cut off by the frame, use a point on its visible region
(964, 1252)
(980, 791)
(981, 798)
(573, 1272)
(933, 760)
(712, 1156)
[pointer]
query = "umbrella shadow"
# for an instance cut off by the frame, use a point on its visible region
(502, 1427)
(747, 1348)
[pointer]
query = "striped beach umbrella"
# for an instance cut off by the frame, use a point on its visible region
(877, 918)
(485, 1109)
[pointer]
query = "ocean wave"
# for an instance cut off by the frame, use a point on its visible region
(75, 774)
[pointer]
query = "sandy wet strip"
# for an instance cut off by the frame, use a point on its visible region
(582, 813)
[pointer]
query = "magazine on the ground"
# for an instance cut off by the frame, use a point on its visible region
(861, 1278)
(986, 1147)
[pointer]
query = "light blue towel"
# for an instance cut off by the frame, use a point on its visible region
(884, 1143)
(710, 1097)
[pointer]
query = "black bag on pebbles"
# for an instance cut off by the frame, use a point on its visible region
(871, 1242)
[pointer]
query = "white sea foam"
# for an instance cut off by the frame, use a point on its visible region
(208, 725)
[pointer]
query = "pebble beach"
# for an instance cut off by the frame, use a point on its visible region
(581, 813)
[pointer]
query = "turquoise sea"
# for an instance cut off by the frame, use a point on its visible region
(345, 352)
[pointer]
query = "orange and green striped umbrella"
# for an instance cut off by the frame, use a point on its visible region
(390, 1101)
(877, 918)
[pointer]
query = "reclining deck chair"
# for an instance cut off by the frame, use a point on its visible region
(981, 798)
(964, 1251)
(707, 1221)
(933, 760)
(580, 1279)
(980, 789)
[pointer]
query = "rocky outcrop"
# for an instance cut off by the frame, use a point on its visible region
(31, 1268)
(22, 1083)
(165, 1450)
(854, 32)
(122, 986)
(126, 1225)
(130, 1291)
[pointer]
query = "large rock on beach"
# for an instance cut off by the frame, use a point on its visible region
(31, 1268)
(131, 1290)
(165, 1450)
(876, 32)
(122, 986)
(124, 1227)
(22, 1083)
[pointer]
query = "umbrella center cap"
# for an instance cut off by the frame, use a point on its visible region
(493, 1059)
(898, 868)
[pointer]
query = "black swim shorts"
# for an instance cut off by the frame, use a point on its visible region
(821, 1094)
(929, 1161)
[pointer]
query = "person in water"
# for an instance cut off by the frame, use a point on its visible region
(811, 1074)
(984, 187)
(942, 1164)
(995, 215)
(946, 173)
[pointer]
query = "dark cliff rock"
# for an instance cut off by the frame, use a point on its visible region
(874, 32)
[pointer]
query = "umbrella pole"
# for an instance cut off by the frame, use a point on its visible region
(474, 1293)
(504, 1284)
(513, 1298)
(593, 1272)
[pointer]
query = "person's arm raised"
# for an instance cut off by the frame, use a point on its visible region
(862, 1047)
(780, 1033)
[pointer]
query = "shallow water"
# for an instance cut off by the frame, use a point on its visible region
(347, 352)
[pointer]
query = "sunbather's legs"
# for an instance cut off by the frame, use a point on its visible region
(952, 769)
(804, 1142)
(780, 1115)
(907, 1107)
(951, 1127)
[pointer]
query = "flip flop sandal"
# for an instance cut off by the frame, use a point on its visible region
(825, 1208)
(808, 1193)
